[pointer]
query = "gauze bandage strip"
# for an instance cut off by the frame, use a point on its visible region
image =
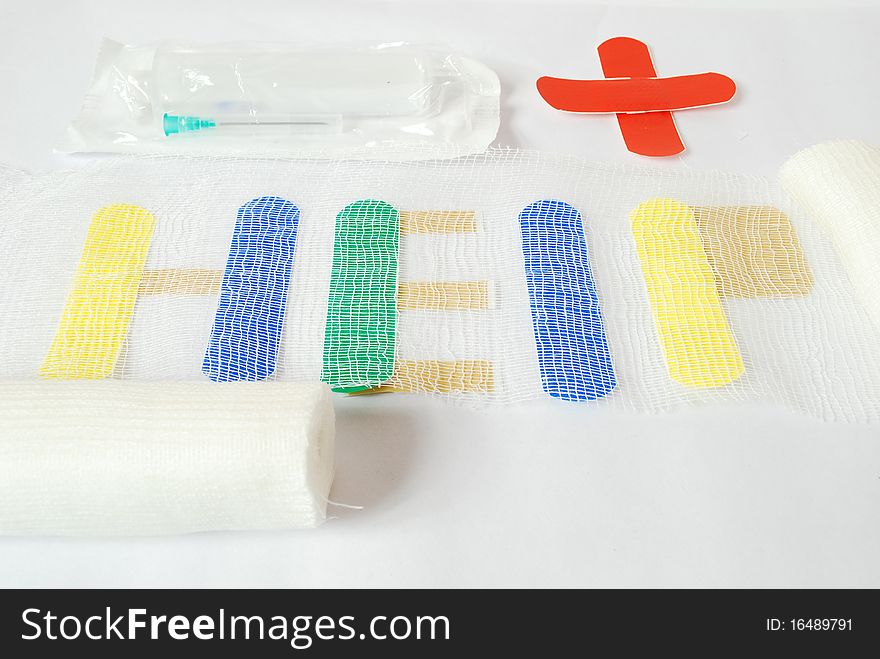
(838, 183)
(730, 292)
(150, 458)
(442, 295)
(98, 311)
(253, 293)
(754, 252)
(359, 338)
(467, 376)
(437, 221)
(180, 281)
(573, 352)
(697, 340)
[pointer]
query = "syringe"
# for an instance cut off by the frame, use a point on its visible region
(173, 124)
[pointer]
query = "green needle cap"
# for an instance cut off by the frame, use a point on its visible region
(173, 124)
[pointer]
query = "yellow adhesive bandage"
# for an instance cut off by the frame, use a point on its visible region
(697, 341)
(99, 307)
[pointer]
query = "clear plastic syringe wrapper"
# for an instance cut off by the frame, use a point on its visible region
(392, 101)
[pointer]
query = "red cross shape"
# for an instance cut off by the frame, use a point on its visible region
(642, 101)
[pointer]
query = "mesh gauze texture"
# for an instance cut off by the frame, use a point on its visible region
(500, 277)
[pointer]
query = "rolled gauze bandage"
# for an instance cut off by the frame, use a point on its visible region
(149, 458)
(838, 185)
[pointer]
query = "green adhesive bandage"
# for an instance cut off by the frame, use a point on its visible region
(359, 339)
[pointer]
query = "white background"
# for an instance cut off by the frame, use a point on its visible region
(545, 494)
